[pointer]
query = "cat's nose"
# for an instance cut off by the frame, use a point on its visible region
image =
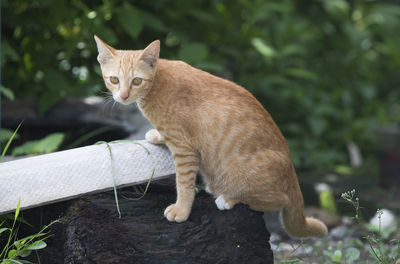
(124, 96)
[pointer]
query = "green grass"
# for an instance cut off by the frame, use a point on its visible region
(9, 142)
(138, 189)
(15, 250)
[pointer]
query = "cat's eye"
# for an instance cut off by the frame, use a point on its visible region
(137, 81)
(114, 80)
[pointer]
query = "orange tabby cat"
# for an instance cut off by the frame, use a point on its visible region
(212, 125)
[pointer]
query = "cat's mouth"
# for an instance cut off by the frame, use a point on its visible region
(118, 99)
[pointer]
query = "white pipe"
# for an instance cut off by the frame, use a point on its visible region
(67, 174)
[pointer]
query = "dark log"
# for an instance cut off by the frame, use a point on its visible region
(93, 233)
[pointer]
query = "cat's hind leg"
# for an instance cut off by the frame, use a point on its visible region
(268, 201)
(224, 203)
(154, 137)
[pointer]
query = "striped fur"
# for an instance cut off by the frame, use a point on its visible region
(213, 126)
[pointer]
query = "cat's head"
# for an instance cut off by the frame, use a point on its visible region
(128, 74)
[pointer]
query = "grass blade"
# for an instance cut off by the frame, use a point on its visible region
(90, 135)
(113, 170)
(147, 185)
(113, 175)
(9, 142)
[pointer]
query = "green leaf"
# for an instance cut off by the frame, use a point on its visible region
(7, 92)
(327, 201)
(4, 229)
(24, 253)
(291, 50)
(19, 243)
(28, 148)
(28, 61)
(8, 51)
(37, 245)
(337, 256)
(103, 32)
(193, 52)
(47, 144)
(12, 253)
(6, 134)
(336, 7)
(9, 142)
(130, 19)
(50, 143)
(302, 73)
(263, 47)
(352, 254)
(328, 254)
(17, 210)
(31, 237)
(151, 21)
(343, 169)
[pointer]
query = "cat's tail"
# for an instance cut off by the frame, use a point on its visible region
(293, 217)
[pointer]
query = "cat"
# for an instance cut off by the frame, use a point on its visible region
(213, 126)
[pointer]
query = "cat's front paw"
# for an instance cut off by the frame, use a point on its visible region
(175, 213)
(154, 137)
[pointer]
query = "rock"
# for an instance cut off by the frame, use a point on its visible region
(93, 233)
(387, 219)
(339, 232)
(329, 219)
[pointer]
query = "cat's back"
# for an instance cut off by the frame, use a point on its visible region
(210, 90)
(220, 108)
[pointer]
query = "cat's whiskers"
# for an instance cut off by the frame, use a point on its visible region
(107, 100)
(106, 93)
(113, 105)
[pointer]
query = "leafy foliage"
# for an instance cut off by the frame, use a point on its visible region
(327, 70)
(47, 144)
(16, 250)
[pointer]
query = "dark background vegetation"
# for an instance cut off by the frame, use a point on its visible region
(328, 71)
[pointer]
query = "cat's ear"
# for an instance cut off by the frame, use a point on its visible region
(106, 52)
(151, 53)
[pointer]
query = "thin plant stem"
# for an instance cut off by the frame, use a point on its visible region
(11, 231)
(113, 175)
(373, 250)
(113, 171)
(147, 185)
